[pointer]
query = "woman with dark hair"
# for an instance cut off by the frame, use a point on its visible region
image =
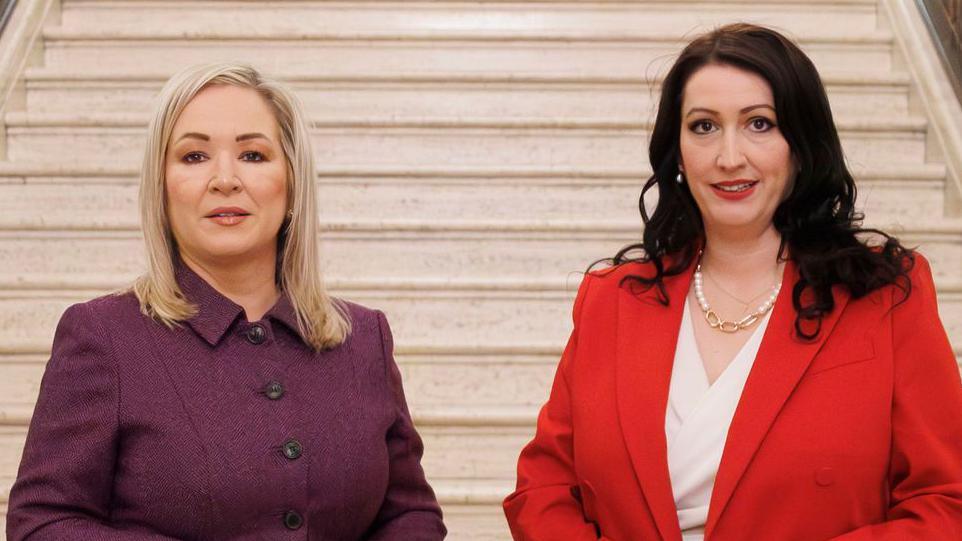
(759, 366)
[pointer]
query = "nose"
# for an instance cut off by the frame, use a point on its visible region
(730, 156)
(225, 176)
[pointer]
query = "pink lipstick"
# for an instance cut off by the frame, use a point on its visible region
(227, 215)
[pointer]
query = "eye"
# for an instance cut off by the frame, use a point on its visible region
(252, 156)
(193, 157)
(702, 126)
(760, 124)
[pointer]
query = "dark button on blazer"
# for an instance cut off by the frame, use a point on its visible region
(219, 429)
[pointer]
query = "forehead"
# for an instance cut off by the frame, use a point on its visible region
(721, 87)
(227, 110)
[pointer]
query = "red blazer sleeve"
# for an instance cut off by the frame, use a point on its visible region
(925, 476)
(544, 506)
(65, 482)
(410, 510)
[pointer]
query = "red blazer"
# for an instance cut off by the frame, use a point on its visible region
(856, 435)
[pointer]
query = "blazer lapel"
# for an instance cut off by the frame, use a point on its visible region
(782, 359)
(646, 340)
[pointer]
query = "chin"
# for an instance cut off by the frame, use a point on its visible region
(228, 251)
(739, 220)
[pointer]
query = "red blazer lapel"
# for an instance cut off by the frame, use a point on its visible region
(782, 359)
(646, 339)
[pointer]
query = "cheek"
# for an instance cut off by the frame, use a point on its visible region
(695, 156)
(271, 190)
(183, 197)
(180, 196)
(778, 164)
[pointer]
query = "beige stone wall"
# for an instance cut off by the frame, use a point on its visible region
(477, 156)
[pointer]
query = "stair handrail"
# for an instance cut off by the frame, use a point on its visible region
(936, 96)
(6, 10)
(23, 29)
(944, 21)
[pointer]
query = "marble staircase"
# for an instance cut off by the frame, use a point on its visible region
(474, 158)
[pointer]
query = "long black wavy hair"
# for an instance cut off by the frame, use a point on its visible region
(818, 223)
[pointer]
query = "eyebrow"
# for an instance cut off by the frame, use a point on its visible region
(742, 111)
(239, 138)
(193, 135)
(249, 136)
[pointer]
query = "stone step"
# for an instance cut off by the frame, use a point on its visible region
(456, 253)
(518, 314)
(81, 140)
(472, 508)
(75, 203)
(428, 18)
(646, 51)
(478, 522)
(447, 96)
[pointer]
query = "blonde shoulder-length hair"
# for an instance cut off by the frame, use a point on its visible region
(323, 321)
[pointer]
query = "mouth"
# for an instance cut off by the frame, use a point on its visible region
(735, 186)
(227, 213)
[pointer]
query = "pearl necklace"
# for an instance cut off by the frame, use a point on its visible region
(717, 322)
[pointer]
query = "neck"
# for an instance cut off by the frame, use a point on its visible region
(250, 284)
(743, 258)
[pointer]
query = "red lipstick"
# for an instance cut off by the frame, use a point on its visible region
(734, 190)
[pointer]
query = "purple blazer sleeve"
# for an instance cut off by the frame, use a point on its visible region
(64, 487)
(410, 510)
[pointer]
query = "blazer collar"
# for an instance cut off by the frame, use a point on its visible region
(646, 337)
(216, 313)
(783, 357)
(647, 334)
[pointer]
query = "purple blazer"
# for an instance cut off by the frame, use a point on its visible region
(219, 429)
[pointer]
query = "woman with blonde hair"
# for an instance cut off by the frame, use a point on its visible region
(225, 395)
